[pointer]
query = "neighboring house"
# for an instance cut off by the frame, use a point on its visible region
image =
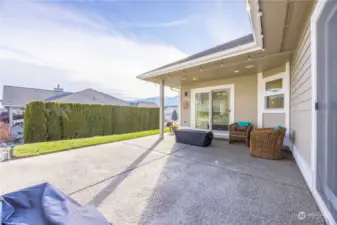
(16, 98)
(282, 74)
(168, 112)
(145, 104)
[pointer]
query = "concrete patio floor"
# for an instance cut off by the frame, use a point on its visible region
(146, 181)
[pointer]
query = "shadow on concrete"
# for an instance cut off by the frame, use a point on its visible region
(99, 198)
(189, 192)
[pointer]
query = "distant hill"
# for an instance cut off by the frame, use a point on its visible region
(169, 101)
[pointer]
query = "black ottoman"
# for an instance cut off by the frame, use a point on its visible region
(194, 137)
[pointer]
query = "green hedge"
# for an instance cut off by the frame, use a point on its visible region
(59, 121)
(53, 116)
(35, 123)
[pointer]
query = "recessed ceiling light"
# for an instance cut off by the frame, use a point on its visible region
(194, 78)
(249, 66)
(236, 71)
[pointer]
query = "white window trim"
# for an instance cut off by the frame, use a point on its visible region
(283, 91)
(209, 90)
(285, 76)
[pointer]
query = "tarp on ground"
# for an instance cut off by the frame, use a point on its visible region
(43, 204)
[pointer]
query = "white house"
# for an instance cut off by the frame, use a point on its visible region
(168, 112)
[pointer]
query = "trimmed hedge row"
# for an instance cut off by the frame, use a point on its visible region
(58, 121)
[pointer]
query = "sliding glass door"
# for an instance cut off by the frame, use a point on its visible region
(326, 180)
(212, 109)
(202, 109)
(220, 110)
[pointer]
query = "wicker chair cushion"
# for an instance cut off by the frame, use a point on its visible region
(238, 134)
(237, 128)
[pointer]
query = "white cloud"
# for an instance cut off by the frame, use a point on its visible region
(164, 24)
(81, 49)
(229, 21)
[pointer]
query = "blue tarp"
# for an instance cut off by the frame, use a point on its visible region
(43, 204)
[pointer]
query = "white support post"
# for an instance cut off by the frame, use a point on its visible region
(260, 100)
(10, 116)
(179, 106)
(162, 105)
(286, 87)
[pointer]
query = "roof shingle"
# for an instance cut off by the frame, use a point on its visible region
(20, 96)
(226, 46)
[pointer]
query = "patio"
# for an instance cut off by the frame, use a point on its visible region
(146, 181)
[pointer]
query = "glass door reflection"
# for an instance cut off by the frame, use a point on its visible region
(220, 110)
(202, 110)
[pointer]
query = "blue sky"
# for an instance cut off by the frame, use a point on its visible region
(105, 44)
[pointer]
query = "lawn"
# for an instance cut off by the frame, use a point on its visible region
(56, 146)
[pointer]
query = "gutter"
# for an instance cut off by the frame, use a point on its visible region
(255, 14)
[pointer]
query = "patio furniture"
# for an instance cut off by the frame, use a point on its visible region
(237, 132)
(267, 143)
(194, 137)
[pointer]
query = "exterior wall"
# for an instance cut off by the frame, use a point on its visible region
(185, 107)
(274, 71)
(245, 98)
(300, 96)
(274, 119)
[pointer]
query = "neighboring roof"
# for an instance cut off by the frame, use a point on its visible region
(171, 106)
(20, 96)
(147, 104)
(53, 98)
(226, 46)
(91, 96)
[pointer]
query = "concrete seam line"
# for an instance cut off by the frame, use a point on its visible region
(156, 150)
(116, 175)
(144, 148)
(126, 171)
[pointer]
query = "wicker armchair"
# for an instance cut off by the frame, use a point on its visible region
(237, 133)
(267, 143)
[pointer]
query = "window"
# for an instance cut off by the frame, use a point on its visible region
(274, 86)
(275, 102)
(274, 94)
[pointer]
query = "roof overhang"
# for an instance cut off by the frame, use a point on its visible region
(253, 9)
(277, 27)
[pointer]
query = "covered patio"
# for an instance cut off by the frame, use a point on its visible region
(154, 181)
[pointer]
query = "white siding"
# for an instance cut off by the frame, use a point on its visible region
(300, 96)
(274, 119)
